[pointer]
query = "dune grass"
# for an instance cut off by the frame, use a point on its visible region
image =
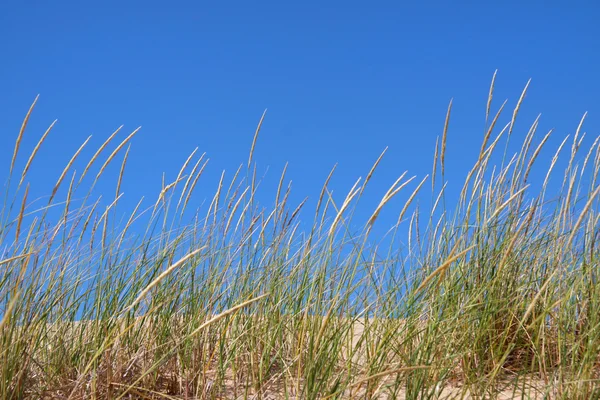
(495, 296)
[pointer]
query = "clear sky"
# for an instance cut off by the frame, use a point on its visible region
(341, 81)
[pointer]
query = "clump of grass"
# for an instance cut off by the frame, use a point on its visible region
(496, 295)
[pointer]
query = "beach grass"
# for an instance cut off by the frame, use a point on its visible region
(492, 294)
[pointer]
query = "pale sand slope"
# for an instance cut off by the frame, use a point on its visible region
(274, 390)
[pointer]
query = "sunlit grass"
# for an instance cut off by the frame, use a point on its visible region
(495, 295)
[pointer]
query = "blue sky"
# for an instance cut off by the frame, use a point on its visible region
(341, 81)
